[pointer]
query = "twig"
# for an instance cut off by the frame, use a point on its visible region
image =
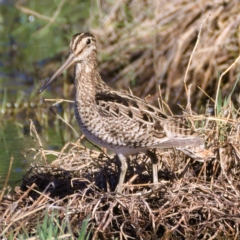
(7, 178)
(191, 56)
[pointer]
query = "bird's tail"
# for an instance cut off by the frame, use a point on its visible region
(192, 146)
(178, 142)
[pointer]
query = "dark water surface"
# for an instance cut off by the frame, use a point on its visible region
(13, 143)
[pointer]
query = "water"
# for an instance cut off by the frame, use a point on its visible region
(13, 143)
(30, 50)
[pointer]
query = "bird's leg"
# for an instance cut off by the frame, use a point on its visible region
(154, 160)
(124, 166)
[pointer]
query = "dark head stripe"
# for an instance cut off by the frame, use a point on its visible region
(77, 38)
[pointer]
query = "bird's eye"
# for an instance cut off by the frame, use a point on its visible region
(88, 41)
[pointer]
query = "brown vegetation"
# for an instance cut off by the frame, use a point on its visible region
(194, 199)
(146, 45)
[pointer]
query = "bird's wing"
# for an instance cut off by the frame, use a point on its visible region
(113, 104)
(158, 130)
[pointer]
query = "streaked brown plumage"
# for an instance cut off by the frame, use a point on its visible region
(120, 122)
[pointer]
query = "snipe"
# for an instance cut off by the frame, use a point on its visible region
(120, 122)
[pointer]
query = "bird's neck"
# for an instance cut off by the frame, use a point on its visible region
(88, 84)
(85, 74)
(88, 81)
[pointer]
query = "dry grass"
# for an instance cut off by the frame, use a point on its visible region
(145, 44)
(151, 45)
(195, 200)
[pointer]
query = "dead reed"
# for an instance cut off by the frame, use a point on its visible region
(144, 45)
(195, 199)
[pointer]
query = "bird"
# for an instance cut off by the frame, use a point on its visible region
(118, 121)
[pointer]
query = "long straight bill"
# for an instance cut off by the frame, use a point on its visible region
(66, 64)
